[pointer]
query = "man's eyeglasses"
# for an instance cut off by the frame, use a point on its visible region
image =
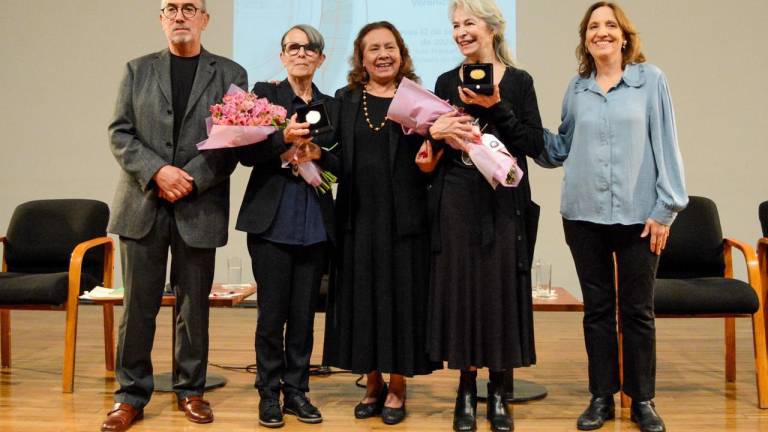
(292, 49)
(188, 11)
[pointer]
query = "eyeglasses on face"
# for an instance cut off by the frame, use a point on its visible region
(188, 11)
(293, 48)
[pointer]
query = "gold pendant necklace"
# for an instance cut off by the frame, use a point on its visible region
(365, 113)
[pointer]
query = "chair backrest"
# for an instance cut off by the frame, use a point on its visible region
(695, 245)
(42, 234)
(763, 213)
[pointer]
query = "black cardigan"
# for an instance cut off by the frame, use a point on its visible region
(409, 184)
(516, 122)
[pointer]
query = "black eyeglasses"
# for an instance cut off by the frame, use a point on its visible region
(293, 48)
(188, 11)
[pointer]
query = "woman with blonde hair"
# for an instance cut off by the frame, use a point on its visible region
(482, 239)
(623, 187)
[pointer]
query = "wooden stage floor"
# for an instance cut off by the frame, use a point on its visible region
(691, 388)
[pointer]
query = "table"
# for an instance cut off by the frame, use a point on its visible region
(222, 295)
(523, 390)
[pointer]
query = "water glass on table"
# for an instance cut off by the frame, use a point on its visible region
(234, 271)
(542, 281)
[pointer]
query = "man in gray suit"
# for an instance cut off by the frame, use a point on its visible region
(171, 197)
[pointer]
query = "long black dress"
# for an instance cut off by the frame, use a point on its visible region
(376, 318)
(480, 307)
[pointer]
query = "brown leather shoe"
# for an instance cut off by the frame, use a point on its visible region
(121, 417)
(197, 409)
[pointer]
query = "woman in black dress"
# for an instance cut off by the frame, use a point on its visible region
(480, 311)
(377, 308)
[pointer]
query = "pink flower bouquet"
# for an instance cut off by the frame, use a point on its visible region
(241, 119)
(495, 163)
(416, 108)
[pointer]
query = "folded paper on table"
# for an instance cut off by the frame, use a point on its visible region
(495, 163)
(416, 108)
(102, 293)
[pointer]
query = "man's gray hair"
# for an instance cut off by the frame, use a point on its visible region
(202, 5)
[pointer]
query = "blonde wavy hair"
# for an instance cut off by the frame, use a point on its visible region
(488, 11)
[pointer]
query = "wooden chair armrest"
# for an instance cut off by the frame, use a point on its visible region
(76, 262)
(762, 258)
(3, 241)
(750, 259)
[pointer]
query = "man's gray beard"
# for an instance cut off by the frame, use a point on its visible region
(181, 39)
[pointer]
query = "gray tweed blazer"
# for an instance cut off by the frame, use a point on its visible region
(141, 137)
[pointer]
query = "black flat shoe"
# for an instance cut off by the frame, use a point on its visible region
(393, 416)
(645, 415)
(600, 409)
(297, 404)
(497, 411)
(465, 412)
(270, 414)
(367, 410)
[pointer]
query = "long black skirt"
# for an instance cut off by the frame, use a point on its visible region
(480, 307)
(377, 310)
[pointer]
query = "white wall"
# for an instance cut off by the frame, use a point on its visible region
(62, 62)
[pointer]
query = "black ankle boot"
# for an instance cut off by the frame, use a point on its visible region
(497, 411)
(600, 409)
(644, 414)
(465, 411)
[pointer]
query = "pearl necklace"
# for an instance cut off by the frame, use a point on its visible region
(365, 113)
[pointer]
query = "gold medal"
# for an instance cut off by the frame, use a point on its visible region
(477, 74)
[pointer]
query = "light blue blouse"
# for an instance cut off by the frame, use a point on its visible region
(619, 150)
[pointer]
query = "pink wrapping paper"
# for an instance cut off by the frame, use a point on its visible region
(221, 136)
(416, 108)
(494, 162)
(310, 173)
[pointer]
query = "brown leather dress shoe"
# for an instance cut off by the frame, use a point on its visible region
(197, 409)
(121, 417)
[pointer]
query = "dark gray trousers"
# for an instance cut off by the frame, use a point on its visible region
(144, 264)
(289, 285)
(592, 246)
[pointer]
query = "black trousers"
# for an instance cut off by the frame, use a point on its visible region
(592, 246)
(144, 264)
(288, 278)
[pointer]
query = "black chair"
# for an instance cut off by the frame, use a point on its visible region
(53, 251)
(695, 280)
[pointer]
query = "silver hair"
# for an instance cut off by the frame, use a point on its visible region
(202, 5)
(488, 11)
(313, 36)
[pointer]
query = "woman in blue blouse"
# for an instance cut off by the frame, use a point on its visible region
(623, 187)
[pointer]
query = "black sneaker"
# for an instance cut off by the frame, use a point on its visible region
(270, 414)
(297, 404)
